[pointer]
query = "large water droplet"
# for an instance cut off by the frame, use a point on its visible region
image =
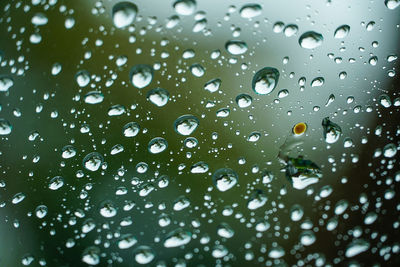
(94, 97)
(302, 173)
(319, 81)
(356, 247)
(244, 100)
(199, 167)
(213, 85)
(157, 145)
(225, 230)
(310, 40)
(197, 70)
(249, 11)
(5, 127)
(124, 14)
(177, 238)
(92, 161)
(39, 19)
(185, 7)
(236, 47)
(265, 80)
(224, 179)
(186, 124)
(144, 254)
(41, 211)
(392, 4)
(91, 255)
(390, 150)
(158, 96)
(342, 31)
(82, 77)
(332, 131)
(5, 83)
(126, 241)
(257, 200)
(131, 129)
(141, 75)
(108, 209)
(56, 183)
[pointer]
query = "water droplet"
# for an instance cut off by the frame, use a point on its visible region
(302, 173)
(373, 61)
(257, 199)
(116, 110)
(225, 231)
(319, 81)
(56, 183)
(191, 142)
(172, 22)
(131, 129)
(219, 251)
(283, 93)
(390, 150)
(93, 161)
(39, 19)
(236, 47)
(91, 255)
(41, 211)
(392, 4)
(82, 77)
(311, 40)
(199, 25)
(341, 206)
(94, 97)
(265, 80)
(177, 238)
(185, 7)
(307, 238)
(199, 167)
(356, 247)
(296, 213)
(108, 209)
(5, 127)
(126, 241)
(181, 203)
(385, 101)
(56, 69)
(141, 75)
(223, 112)
(212, 85)
(197, 70)
(6, 83)
(124, 14)
(249, 11)
(278, 27)
(244, 100)
(18, 197)
(224, 179)
(158, 96)
(332, 131)
(254, 137)
(157, 145)
(186, 124)
(276, 253)
(291, 30)
(342, 31)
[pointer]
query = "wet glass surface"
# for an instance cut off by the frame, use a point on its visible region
(214, 133)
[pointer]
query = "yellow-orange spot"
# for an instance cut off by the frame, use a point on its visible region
(300, 128)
